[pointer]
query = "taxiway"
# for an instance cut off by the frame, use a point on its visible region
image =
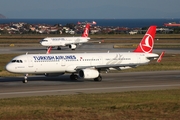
(62, 85)
(112, 82)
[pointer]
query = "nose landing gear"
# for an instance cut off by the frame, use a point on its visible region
(25, 78)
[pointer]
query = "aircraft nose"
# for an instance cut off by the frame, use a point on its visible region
(40, 42)
(9, 68)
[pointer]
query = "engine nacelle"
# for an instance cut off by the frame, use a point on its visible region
(88, 73)
(72, 47)
(52, 74)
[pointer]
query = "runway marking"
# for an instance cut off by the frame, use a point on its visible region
(83, 89)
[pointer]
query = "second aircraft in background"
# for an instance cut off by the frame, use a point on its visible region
(72, 42)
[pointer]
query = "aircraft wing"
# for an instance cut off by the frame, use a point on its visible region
(66, 44)
(104, 67)
(95, 41)
(80, 43)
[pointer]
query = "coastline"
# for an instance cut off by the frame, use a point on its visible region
(131, 23)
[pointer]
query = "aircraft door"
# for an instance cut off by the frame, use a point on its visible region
(30, 62)
(139, 59)
(63, 62)
(101, 60)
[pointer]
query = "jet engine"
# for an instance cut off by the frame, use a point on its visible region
(52, 74)
(72, 47)
(88, 73)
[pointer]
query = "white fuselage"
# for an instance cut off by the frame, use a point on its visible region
(61, 63)
(63, 41)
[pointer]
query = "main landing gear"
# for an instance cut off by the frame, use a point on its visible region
(25, 78)
(58, 48)
(73, 76)
(99, 78)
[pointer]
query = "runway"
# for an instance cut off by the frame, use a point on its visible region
(62, 85)
(112, 82)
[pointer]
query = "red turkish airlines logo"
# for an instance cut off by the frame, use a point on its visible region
(147, 43)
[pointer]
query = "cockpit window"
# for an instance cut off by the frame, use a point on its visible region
(17, 61)
(44, 40)
(13, 61)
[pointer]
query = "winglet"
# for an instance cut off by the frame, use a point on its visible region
(86, 30)
(160, 57)
(147, 42)
(49, 50)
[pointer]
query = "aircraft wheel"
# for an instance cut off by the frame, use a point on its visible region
(73, 77)
(25, 78)
(25, 81)
(99, 78)
(58, 48)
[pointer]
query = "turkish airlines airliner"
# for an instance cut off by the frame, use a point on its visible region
(72, 42)
(84, 65)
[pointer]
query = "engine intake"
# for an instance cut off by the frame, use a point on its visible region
(72, 47)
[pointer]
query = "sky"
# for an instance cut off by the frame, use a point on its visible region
(90, 9)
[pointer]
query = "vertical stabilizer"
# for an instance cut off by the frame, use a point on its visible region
(86, 30)
(147, 43)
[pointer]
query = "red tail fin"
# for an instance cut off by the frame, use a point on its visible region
(86, 30)
(147, 43)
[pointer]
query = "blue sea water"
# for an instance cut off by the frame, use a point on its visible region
(130, 23)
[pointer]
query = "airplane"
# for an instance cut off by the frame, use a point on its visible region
(85, 65)
(72, 42)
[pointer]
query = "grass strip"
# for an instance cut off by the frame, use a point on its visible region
(159, 104)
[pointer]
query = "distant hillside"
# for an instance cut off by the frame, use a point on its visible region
(2, 16)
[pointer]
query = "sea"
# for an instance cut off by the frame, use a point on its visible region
(130, 23)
